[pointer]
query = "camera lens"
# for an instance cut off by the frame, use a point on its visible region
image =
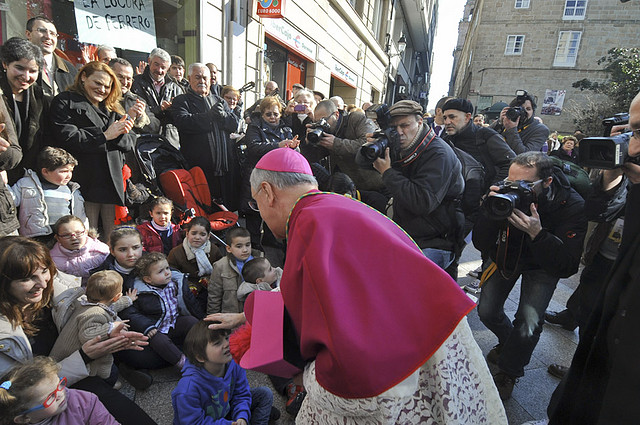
(370, 151)
(501, 206)
(314, 136)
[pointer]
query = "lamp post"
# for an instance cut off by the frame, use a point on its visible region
(402, 46)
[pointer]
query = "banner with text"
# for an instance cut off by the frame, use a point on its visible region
(127, 24)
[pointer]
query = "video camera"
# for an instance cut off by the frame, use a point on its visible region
(511, 195)
(607, 152)
(317, 131)
(515, 112)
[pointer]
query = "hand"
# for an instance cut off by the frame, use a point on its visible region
(4, 144)
(619, 129)
(152, 333)
(383, 164)
(137, 109)
(133, 294)
(326, 141)
(118, 327)
(165, 105)
(4, 177)
(529, 224)
(506, 122)
(239, 422)
(218, 109)
(289, 109)
(632, 171)
(118, 128)
(290, 143)
(121, 340)
(227, 320)
(141, 67)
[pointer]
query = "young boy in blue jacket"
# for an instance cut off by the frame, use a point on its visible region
(214, 389)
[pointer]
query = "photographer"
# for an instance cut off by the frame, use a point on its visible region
(517, 125)
(342, 136)
(542, 246)
(424, 176)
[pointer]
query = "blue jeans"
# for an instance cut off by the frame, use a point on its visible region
(517, 339)
(439, 256)
(261, 402)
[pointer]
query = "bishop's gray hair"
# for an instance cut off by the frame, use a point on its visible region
(281, 180)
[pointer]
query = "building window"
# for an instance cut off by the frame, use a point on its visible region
(574, 9)
(514, 45)
(484, 102)
(522, 4)
(567, 50)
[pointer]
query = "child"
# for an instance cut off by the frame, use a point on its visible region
(227, 273)
(76, 252)
(95, 316)
(165, 308)
(213, 387)
(195, 257)
(125, 249)
(34, 393)
(48, 194)
(259, 275)
(160, 234)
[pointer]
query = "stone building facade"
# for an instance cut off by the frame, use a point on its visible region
(542, 46)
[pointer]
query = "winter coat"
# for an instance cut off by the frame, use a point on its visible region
(151, 239)
(79, 262)
(246, 288)
(529, 136)
(33, 211)
(186, 262)
(148, 311)
(143, 87)
(201, 398)
(78, 127)
(426, 195)
(9, 159)
(558, 246)
(108, 264)
(563, 155)
(64, 76)
(223, 285)
(29, 132)
(83, 407)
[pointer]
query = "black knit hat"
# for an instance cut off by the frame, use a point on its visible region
(458, 104)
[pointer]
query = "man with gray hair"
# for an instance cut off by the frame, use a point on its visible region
(158, 89)
(105, 53)
(338, 101)
(205, 121)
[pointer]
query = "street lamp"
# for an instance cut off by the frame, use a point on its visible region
(402, 45)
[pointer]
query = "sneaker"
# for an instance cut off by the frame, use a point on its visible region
(139, 379)
(557, 370)
(296, 395)
(475, 273)
(563, 318)
(473, 288)
(504, 384)
(494, 355)
(275, 414)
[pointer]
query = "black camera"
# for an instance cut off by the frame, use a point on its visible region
(605, 152)
(516, 112)
(317, 131)
(371, 151)
(621, 118)
(511, 195)
(380, 114)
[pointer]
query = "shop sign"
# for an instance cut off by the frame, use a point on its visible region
(344, 74)
(271, 8)
(128, 24)
(290, 37)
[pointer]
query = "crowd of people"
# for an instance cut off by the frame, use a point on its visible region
(78, 312)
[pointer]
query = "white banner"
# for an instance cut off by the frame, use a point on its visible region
(127, 24)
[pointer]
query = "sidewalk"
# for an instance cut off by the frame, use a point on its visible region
(530, 396)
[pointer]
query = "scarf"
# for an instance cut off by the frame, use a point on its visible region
(200, 254)
(168, 228)
(122, 270)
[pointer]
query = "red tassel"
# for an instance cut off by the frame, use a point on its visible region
(240, 341)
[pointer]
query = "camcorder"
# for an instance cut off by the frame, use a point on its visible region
(317, 131)
(386, 137)
(607, 152)
(511, 195)
(515, 112)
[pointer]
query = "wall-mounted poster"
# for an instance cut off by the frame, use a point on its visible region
(553, 101)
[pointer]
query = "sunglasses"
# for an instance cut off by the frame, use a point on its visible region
(271, 114)
(51, 398)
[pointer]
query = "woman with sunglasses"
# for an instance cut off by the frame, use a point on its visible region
(32, 301)
(263, 135)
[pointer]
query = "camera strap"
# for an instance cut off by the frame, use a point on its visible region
(508, 263)
(420, 147)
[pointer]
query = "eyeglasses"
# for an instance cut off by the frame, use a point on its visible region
(44, 31)
(51, 398)
(636, 134)
(511, 183)
(271, 114)
(73, 235)
(253, 204)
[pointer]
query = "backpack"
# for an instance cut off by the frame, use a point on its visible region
(474, 180)
(577, 176)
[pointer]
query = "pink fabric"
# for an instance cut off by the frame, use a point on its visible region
(83, 408)
(79, 262)
(284, 160)
(364, 300)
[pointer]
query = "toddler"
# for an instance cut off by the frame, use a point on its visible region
(48, 194)
(75, 251)
(195, 257)
(165, 308)
(33, 393)
(213, 387)
(259, 275)
(160, 234)
(95, 316)
(227, 273)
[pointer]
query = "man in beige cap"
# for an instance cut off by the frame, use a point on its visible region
(424, 176)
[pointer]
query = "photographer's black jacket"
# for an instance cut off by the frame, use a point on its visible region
(527, 137)
(426, 194)
(558, 246)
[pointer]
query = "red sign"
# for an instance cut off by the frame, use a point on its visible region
(271, 8)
